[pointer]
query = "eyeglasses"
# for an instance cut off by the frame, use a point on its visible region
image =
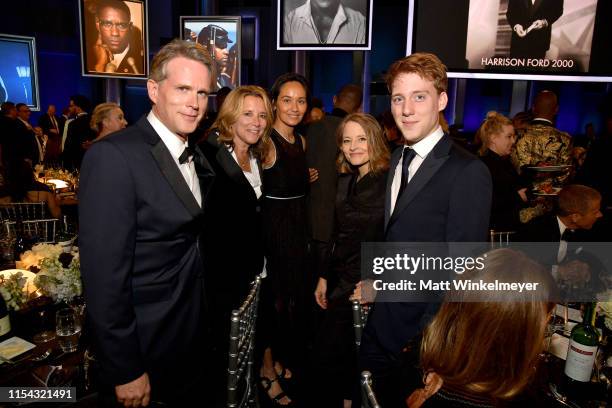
(108, 25)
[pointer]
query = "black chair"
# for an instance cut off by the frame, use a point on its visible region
(368, 397)
(241, 380)
(360, 318)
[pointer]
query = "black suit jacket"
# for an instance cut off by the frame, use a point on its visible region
(447, 200)
(141, 261)
(46, 124)
(321, 154)
(23, 145)
(78, 133)
(233, 232)
(537, 42)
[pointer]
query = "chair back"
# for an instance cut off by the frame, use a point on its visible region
(500, 239)
(42, 231)
(23, 211)
(360, 318)
(241, 380)
(367, 393)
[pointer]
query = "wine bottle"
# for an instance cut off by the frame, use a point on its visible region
(5, 322)
(582, 349)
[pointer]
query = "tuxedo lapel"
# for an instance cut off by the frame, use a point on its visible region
(434, 160)
(395, 157)
(169, 169)
(205, 172)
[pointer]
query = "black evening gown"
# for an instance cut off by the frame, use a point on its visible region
(284, 223)
(359, 218)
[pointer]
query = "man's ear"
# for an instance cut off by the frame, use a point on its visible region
(152, 88)
(442, 101)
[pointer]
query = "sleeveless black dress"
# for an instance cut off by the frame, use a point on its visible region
(284, 219)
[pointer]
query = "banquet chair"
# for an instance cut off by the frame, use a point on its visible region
(368, 398)
(360, 317)
(43, 231)
(240, 380)
(23, 211)
(500, 239)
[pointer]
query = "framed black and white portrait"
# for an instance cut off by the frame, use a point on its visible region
(114, 38)
(324, 24)
(221, 37)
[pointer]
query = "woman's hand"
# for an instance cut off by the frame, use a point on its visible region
(523, 194)
(320, 293)
(313, 174)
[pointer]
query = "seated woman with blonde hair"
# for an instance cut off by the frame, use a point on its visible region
(481, 349)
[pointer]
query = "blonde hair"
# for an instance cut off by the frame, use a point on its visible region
(492, 125)
(232, 109)
(179, 48)
(473, 344)
(378, 151)
(101, 112)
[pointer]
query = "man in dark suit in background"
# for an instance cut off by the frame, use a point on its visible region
(578, 209)
(321, 155)
(8, 125)
(24, 143)
(531, 22)
(436, 193)
(51, 127)
(78, 133)
(141, 201)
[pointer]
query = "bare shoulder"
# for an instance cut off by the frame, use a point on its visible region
(270, 156)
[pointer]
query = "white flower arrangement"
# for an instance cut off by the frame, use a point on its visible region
(13, 290)
(59, 275)
(604, 307)
(38, 252)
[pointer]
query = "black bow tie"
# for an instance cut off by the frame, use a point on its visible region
(186, 155)
(568, 235)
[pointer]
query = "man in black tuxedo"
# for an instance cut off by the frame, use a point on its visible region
(141, 201)
(436, 192)
(78, 133)
(531, 22)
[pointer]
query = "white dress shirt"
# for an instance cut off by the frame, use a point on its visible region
(252, 176)
(422, 149)
(176, 146)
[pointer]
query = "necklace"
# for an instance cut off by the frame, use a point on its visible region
(245, 164)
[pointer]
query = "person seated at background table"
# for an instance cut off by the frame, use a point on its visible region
(359, 217)
(21, 186)
(233, 228)
(578, 208)
(482, 347)
(509, 192)
(106, 119)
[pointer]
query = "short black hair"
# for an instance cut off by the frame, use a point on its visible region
(114, 4)
(81, 101)
(19, 105)
(6, 107)
(289, 77)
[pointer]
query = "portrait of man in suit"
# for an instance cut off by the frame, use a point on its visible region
(114, 43)
(325, 23)
(531, 22)
(436, 192)
(141, 203)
